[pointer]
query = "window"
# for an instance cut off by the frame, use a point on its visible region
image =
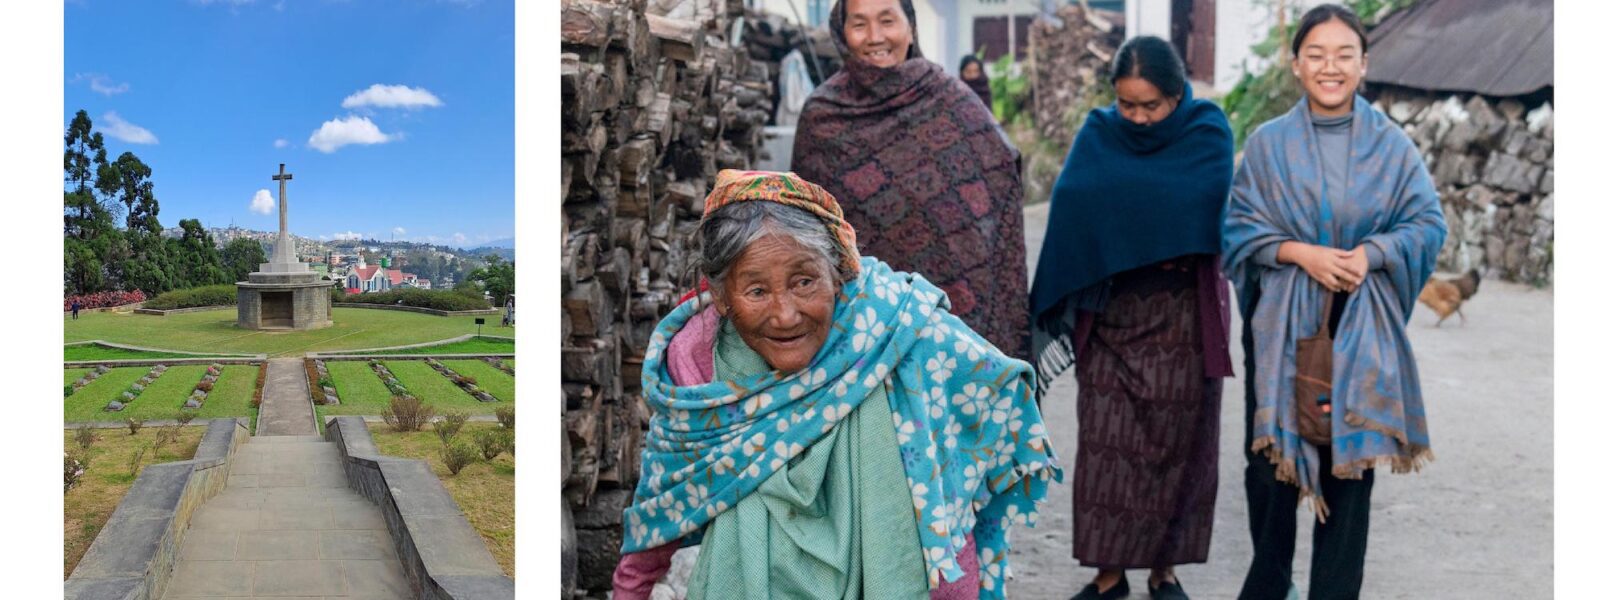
(992, 35)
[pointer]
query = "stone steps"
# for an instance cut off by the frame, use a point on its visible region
(287, 525)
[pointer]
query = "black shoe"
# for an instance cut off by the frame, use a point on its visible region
(1168, 590)
(1092, 591)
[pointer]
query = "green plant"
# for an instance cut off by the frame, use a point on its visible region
(134, 423)
(1009, 90)
(449, 424)
(434, 299)
(507, 416)
(69, 391)
(184, 417)
(457, 456)
(491, 442)
(406, 413)
(84, 436)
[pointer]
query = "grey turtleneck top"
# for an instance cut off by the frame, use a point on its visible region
(1333, 144)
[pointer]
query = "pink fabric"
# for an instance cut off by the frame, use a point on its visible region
(690, 362)
(967, 587)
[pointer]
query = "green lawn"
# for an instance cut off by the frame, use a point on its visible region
(435, 389)
(88, 402)
(360, 390)
(73, 375)
(485, 491)
(98, 352)
(500, 385)
(216, 331)
(512, 363)
(477, 345)
(164, 398)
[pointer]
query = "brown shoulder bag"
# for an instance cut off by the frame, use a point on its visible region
(1313, 381)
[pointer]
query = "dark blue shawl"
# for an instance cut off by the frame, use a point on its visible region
(1132, 195)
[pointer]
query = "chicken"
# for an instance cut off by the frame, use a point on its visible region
(1445, 296)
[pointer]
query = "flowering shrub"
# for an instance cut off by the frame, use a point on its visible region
(103, 299)
(73, 470)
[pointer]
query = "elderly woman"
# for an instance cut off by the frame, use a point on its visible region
(922, 169)
(1131, 289)
(1332, 229)
(824, 427)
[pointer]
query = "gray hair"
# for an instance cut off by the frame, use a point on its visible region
(726, 234)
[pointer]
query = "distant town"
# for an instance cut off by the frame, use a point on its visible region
(370, 265)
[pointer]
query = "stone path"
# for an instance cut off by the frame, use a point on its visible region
(286, 400)
(287, 525)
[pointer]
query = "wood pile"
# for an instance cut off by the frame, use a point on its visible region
(1070, 60)
(771, 37)
(654, 101)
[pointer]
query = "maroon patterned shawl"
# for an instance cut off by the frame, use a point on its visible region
(928, 180)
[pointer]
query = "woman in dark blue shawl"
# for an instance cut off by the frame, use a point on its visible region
(1332, 209)
(1129, 284)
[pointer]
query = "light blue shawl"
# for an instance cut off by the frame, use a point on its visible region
(1390, 202)
(976, 454)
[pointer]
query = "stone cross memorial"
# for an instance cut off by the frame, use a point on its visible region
(285, 293)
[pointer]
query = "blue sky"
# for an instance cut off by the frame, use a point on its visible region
(394, 116)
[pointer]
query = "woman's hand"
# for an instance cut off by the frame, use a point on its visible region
(1335, 269)
(1357, 264)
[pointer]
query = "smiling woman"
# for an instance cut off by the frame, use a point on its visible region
(843, 397)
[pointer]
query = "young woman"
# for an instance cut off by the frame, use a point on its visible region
(1332, 213)
(1130, 286)
(972, 74)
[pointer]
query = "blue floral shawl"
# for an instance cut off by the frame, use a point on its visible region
(1278, 195)
(976, 453)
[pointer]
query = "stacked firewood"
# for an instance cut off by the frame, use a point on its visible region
(654, 101)
(1070, 59)
(771, 37)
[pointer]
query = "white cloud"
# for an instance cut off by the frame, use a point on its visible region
(101, 83)
(262, 203)
(348, 130)
(392, 96)
(399, 231)
(117, 128)
(280, 143)
(459, 239)
(348, 235)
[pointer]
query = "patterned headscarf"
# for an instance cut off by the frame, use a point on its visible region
(790, 190)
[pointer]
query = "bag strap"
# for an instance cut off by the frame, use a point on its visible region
(1327, 311)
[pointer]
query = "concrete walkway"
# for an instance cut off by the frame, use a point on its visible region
(286, 400)
(287, 525)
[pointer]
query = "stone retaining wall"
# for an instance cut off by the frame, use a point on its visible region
(132, 557)
(418, 309)
(443, 556)
(1493, 161)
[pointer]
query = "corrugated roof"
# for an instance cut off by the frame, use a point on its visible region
(1489, 47)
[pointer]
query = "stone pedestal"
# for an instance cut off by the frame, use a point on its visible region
(285, 299)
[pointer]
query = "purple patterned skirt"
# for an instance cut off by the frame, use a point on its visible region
(1145, 482)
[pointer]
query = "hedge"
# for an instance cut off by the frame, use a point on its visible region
(435, 299)
(103, 299)
(210, 295)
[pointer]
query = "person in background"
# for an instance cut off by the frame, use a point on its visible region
(1333, 226)
(973, 75)
(1129, 284)
(822, 426)
(76, 306)
(922, 170)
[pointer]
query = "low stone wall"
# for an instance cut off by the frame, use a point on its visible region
(1493, 161)
(179, 311)
(150, 362)
(132, 558)
(443, 556)
(120, 307)
(366, 353)
(418, 309)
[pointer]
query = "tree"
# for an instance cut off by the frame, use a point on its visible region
(195, 256)
(241, 257)
(92, 239)
(498, 277)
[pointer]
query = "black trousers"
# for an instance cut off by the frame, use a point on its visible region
(1338, 546)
